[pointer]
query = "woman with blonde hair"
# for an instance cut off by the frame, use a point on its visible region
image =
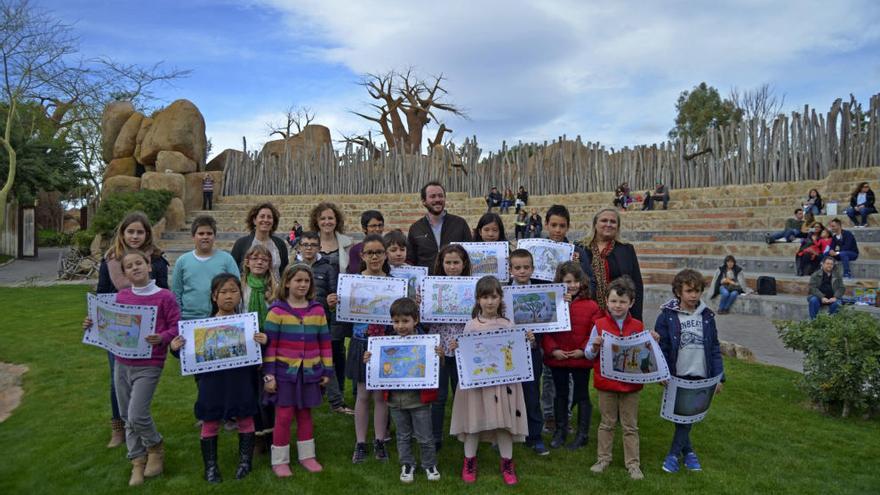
(327, 220)
(609, 257)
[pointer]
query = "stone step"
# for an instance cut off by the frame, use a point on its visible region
(868, 250)
(774, 266)
(684, 238)
(785, 284)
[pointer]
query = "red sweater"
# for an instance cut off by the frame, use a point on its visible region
(583, 312)
(606, 324)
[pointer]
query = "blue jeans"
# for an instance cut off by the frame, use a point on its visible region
(812, 209)
(789, 235)
(681, 440)
(816, 305)
(727, 298)
(448, 379)
(846, 257)
(852, 214)
(114, 404)
(532, 396)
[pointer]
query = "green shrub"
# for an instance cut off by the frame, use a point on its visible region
(52, 238)
(113, 209)
(82, 239)
(841, 359)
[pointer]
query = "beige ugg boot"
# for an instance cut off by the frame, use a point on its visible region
(117, 435)
(155, 460)
(137, 471)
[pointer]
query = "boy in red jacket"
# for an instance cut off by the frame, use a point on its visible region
(617, 400)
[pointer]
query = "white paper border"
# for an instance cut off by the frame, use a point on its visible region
(410, 272)
(607, 365)
(107, 302)
(667, 406)
(564, 251)
(391, 286)
(501, 249)
(563, 318)
(432, 368)
(188, 364)
(429, 285)
(466, 342)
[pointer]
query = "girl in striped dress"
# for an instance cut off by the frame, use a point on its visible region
(298, 362)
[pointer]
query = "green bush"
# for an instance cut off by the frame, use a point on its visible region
(82, 239)
(52, 238)
(841, 359)
(113, 209)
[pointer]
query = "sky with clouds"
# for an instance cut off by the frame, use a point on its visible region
(531, 71)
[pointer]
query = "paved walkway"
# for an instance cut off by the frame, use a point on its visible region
(38, 271)
(755, 332)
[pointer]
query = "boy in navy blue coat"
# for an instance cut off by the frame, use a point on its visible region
(689, 341)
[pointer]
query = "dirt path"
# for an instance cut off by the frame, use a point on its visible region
(10, 388)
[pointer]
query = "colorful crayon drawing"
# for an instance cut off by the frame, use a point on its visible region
(366, 300)
(535, 307)
(483, 263)
(120, 330)
(220, 342)
(547, 257)
(634, 359)
(453, 299)
(488, 360)
(402, 361)
(693, 401)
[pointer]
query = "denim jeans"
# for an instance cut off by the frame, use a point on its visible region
(681, 440)
(846, 257)
(853, 214)
(789, 235)
(448, 379)
(415, 422)
(727, 298)
(816, 305)
(812, 209)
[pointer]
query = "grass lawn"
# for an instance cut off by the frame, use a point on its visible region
(4, 258)
(758, 438)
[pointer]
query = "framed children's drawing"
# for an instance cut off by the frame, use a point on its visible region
(547, 255)
(403, 363)
(488, 258)
(219, 343)
(448, 299)
(493, 357)
(687, 401)
(633, 359)
(121, 329)
(365, 299)
(413, 276)
(539, 308)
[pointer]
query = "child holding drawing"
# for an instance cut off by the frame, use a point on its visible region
(494, 413)
(226, 394)
(373, 263)
(617, 400)
(297, 363)
(135, 380)
(564, 355)
(452, 261)
(411, 409)
(689, 341)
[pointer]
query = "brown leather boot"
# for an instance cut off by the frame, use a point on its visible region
(117, 435)
(137, 471)
(155, 458)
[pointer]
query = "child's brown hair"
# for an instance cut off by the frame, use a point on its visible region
(133, 252)
(405, 307)
(487, 286)
(522, 253)
(689, 277)
(457, 249)
(271, 279)
(282, 292)
(574, 269)
(623, 286)
(394, 238)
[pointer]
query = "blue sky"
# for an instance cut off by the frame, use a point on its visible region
(530, 71)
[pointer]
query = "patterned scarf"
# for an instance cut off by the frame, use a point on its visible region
(257, 301)
(601, 271)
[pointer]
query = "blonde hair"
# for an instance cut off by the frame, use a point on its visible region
(617, 239)
(271, 278)
(118, 247)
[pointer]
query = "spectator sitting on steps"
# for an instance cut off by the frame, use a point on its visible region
(522, 199)
(813, 204)
(791, 231)
(861, 203)
(661, 193)
(826, 288)
(493, 199)
(843, 246)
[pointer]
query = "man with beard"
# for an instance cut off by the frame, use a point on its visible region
(436, 229)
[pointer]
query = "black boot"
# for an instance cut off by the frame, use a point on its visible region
(246, 443)
(585, 409)
(209, 456)
(560, 411)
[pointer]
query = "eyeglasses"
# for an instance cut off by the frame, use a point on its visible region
(370, 254)
(375, 225)
(309, 245)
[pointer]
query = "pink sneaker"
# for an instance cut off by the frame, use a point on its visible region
(469, 470)
(508, 472)
(311, 464)
(282, 470)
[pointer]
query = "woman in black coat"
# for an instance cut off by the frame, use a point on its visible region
(609, 257)
(262, 221)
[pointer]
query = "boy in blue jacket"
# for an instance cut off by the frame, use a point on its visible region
(689, 341)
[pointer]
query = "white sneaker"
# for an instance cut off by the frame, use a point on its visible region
(407, 473)
(432, 473)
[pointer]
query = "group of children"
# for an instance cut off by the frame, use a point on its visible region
(298, 360)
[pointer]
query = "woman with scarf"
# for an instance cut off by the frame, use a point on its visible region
(609, 257)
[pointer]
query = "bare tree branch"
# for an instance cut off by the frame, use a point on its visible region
(295, 118)
(759, 103)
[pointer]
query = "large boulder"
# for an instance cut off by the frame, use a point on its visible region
(178, 127)
(159, 229)
(308, 142)
(120, 166)
(219, 162)
(160, 181)
(146, 123)
(127, 138)
(114, 117)
(175, 216)
(193, 199)
(174, 161)
(120, 183)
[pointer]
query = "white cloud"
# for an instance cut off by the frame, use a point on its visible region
(609, 71)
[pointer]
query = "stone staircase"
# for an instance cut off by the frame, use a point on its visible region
(700, 227)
